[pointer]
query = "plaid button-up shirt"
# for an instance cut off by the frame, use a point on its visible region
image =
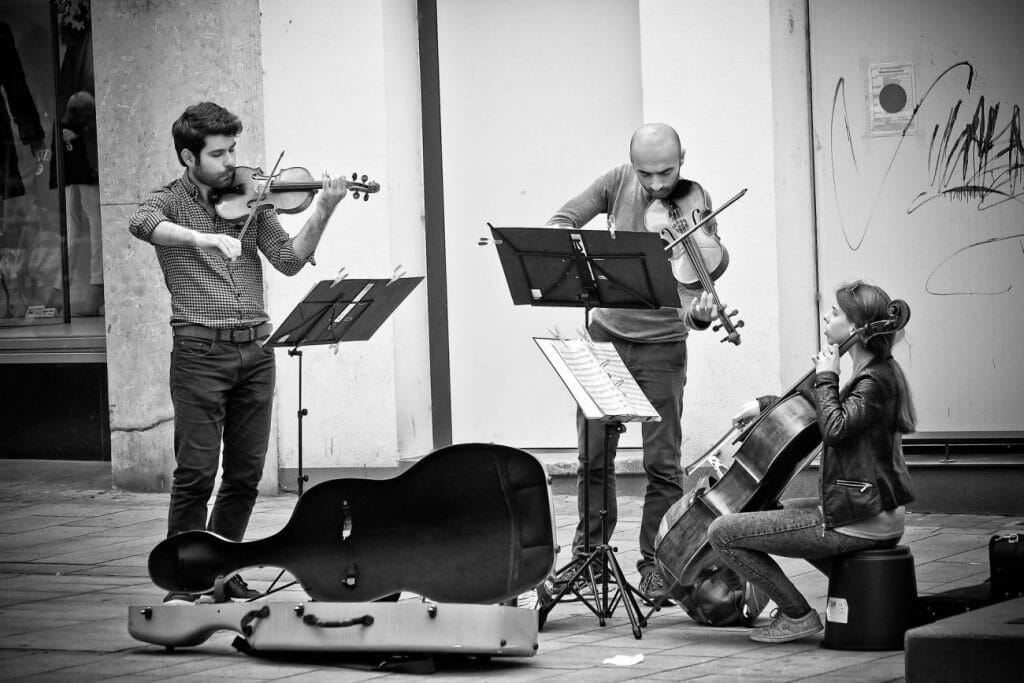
(205, 288)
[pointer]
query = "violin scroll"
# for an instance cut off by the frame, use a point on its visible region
(361, 184)
(732, 336)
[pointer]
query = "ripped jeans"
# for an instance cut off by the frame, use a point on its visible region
(744, 541)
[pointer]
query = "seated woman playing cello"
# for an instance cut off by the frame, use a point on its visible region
(864, 480)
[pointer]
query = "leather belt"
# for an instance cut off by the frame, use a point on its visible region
(234, 335)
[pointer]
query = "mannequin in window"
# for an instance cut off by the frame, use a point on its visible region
(78, 147)
(16, 107)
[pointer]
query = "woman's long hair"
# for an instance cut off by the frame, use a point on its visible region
(864, 303)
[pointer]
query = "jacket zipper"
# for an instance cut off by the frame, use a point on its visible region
(862, 486)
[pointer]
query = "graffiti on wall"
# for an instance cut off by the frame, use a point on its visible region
(975, 156)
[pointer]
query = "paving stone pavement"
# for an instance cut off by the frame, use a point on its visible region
(73, 558)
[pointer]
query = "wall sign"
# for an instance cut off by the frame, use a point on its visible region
(891, 98)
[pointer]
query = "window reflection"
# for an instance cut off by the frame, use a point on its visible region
(51, 261)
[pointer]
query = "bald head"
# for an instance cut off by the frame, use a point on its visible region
(656, 155)
(656, 139)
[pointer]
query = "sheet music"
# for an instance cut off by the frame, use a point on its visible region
(599, 381)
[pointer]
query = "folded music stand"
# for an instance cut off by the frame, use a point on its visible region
(589, 269)
(334, 311)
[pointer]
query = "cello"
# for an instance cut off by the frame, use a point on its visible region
(774, 447)
(697, 256)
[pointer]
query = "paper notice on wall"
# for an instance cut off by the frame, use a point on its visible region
(891, 98)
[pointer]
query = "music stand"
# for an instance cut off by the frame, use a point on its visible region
(335, 311)
(589, 269)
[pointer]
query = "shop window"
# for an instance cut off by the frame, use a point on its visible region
(51, 260)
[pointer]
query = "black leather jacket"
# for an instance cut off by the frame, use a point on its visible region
(863, 471)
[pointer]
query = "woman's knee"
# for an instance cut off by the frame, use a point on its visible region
(719, 532)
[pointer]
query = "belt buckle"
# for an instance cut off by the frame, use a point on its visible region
(246, 336)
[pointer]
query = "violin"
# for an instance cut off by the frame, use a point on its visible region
(289, 191)
(696, 254)
(774, 448)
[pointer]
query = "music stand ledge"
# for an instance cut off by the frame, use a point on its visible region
(572, 267)
(336, 311)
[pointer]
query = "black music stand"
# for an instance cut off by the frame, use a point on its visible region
(589, 269)
(335, 311)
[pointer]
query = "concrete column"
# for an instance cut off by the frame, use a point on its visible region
(152, 60)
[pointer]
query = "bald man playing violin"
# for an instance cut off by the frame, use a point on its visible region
(652, 344)
(221, 377)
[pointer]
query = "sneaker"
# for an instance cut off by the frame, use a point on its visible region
(236, 588)
(180, 598)
(783, 629)
(560, 580)
(653, 588)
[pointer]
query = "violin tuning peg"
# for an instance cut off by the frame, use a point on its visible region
(734, 312)
(739, 323)
(716, 328)
(355, 194)
(483, 241)
(355, 177)
(364, 178)
(366, 197)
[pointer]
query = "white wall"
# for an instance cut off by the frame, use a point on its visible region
(342, 94)
(729, 76)
(537, 100)
(540, 98)
(957, 259)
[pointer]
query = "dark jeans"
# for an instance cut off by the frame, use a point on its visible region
(660, 370)
(745, 540)
(220, 390)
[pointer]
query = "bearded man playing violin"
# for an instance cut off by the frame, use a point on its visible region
(221, 376)
(652, 344)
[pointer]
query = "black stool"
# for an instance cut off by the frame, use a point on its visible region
(872, 595)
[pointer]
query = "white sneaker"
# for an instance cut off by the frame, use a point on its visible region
(783, 629)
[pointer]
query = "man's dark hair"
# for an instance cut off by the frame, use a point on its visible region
(198, 121)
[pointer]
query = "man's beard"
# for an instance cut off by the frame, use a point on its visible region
(218, 182)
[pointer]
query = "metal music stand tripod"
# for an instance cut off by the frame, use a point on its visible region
(334, 311)
(589, 269)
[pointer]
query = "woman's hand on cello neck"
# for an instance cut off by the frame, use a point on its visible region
(827, 360)
(747, 412)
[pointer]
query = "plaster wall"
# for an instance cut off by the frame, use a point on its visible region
(731, 78)
(341, 84)
(537, 100)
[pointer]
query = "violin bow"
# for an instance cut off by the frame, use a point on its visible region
(723, 207)
(261, 196)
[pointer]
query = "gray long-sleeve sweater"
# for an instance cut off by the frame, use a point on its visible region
(620, 194)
